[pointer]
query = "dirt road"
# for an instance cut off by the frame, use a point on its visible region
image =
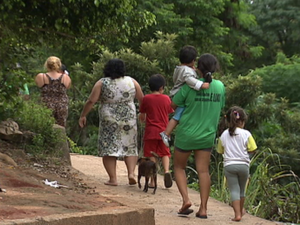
(166, 202)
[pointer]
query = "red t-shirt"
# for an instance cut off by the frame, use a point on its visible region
(157, 108)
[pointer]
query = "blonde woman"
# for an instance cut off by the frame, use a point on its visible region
(54, 85)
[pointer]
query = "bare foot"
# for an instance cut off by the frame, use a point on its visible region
(237, 219)
(243, 212)
(110, 183)
(185, 206)
(202, 213)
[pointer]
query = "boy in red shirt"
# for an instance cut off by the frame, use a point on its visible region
(155, 110)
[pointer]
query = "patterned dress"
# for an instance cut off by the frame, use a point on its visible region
(117, 118)
(54, 96)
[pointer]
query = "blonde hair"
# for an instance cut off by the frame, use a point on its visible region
(53, 63)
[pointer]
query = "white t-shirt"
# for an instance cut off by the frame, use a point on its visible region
(235, 148)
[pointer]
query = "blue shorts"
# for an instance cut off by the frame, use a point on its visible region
(178, 112)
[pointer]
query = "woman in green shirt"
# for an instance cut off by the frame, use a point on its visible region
(196, 132)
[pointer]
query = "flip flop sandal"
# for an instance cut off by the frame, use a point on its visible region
(185, 212)
(168, 180)
(201, 217)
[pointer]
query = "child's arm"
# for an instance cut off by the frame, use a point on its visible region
(220, 147)
(196, 84)
(142, 117)
(251, 146)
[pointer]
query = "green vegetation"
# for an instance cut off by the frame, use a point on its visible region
(273, 190)
(36, 118)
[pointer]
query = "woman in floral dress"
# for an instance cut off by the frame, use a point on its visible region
(117, 118)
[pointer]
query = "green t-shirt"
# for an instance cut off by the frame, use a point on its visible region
(198, 124)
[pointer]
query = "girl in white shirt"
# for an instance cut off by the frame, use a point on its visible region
(235, 144)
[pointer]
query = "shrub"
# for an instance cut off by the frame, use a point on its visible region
(38, 119)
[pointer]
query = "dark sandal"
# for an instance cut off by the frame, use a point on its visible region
(185, 212)
(168, 180)
(201, 216)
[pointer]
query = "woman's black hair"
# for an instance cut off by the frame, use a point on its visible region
(114, 68)
(156, 81)
(207, 63)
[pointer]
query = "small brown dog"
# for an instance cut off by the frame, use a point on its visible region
(147, 169)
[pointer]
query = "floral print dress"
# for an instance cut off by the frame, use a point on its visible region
(117, 118)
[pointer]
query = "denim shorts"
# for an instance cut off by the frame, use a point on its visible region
(178, 113)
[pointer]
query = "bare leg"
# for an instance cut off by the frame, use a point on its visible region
(202, 159)
(110, 164)
(131, 162)
(237, 210)
(166, 163)
(180, 161)
(170, 127)
(243, 210)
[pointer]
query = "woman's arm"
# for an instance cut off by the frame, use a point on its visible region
(93, 98)
(39, 80)
(139, 95)
(66, 80)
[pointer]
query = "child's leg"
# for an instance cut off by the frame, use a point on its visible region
(243, 210)
(231, 173)
(174, 121)
(165, 135)
(166, 163)
(171, 126)
(243, 182)
(237, 176)
(237, 210)
(165, 155)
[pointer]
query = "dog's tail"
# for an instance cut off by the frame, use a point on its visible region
(157, 159)
(155, 155)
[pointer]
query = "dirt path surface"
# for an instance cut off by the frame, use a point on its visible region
(166, 202)
(27, 196)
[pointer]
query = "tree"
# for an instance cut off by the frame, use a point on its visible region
(80, 26)
(237, 41)
(81, 22)
(194, 22)
(278, 27)
(281, 78)
(167, 21)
